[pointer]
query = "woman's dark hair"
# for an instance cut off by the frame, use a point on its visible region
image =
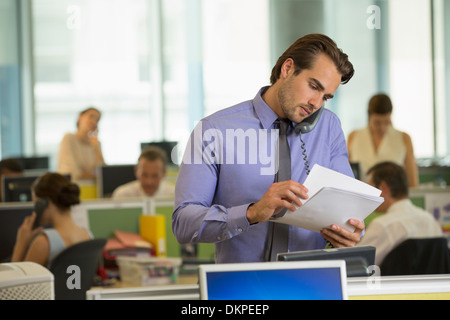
(394, 176)
(380, 104)
(305, 51)
(58, 189)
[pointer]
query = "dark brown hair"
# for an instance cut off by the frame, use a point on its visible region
(380, 104)
(305, 51)
(394, 176)
(86, 110)
(11, 164)
(58, 189)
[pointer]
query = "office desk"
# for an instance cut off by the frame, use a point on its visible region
(186, 288)
(420, 287)
(426, 287)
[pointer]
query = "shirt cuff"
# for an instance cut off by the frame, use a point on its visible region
(237, 219)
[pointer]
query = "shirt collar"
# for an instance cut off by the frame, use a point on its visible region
(265, 114)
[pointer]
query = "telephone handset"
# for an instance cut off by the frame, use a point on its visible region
(39, 207)
(309, 123)
(306, 126)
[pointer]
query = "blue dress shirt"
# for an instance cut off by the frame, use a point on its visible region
(228, 164)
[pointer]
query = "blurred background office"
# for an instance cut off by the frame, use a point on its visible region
(156, 67)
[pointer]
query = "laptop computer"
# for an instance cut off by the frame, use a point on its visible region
(296, 280)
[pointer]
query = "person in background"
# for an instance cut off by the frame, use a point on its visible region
(41, 245)
(9, 167)
(80, 153)
(379, 141)
(401, 219)
(150, 172)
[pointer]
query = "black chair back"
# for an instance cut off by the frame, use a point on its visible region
(418, 256)
(74, 269)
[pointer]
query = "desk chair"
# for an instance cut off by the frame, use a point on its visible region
(418, 256)
(86, 255)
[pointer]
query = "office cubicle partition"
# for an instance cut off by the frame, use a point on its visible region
(103, 216)
(11, 218)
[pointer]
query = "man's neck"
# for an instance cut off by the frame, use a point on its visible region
(270, 97)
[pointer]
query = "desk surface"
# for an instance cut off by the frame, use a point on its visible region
(434, 287)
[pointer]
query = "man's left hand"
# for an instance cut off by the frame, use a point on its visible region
(340, 237)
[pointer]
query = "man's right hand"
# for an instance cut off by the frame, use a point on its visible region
(280, 195)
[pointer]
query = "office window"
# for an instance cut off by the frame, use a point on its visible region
(94, 53)
(156, 67)
(411, 73)
(236, 51)
(213, 58)
(141, 63)
(393, 57)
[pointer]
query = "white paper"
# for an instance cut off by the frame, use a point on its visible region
(320, 177)
(334, 198)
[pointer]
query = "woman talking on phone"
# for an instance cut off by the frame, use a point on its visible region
(80, 153)
(54, 195)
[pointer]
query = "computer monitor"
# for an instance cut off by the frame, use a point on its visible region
(295, 280)
(109, 177)
(17, 188)
(168, 147)
(34, 163)
(11, 218)
(358, 259)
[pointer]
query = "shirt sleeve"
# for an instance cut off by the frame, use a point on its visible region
(339, 152)
(196, 218)
(376, 236)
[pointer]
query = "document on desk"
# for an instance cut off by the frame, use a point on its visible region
(334, 198)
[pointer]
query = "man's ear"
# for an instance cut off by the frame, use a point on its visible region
(287, 68)
(383, 186)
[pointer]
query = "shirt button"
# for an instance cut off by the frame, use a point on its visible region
(219, 238)
(240, 229)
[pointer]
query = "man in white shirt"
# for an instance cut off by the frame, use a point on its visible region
(150, 172)
(401, 220)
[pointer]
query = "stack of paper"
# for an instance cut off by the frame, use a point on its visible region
(334, 198)
(127, 243)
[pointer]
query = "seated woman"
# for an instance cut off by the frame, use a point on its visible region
(80, 153)
(58, 195)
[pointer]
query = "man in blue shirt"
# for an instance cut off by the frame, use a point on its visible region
(226, 190)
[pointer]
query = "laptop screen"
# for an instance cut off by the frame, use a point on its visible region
(305, 280)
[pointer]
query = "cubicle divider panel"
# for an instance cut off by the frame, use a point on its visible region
(103, 217)
(103, 222)
(204, 250)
